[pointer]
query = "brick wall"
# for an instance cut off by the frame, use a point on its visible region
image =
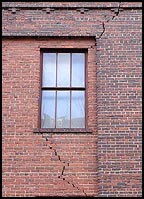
(106, 162)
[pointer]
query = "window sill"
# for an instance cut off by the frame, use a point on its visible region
(62, 130)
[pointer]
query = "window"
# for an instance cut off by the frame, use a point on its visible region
(63, 89)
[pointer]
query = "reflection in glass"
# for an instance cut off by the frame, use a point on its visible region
(63, 73)
(63, 109)
(49, 69)
(48, 109)
(78, 109)
(78, 69)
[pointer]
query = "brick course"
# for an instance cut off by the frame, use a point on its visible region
(106, 162)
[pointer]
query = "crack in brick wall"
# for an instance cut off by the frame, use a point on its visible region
(65, 164)
(116, 13)
(115, 74)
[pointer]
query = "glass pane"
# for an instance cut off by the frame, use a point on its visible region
(63, 74)
(63, 109)
(48, 109)
(78, 109)
(49, 69)
(78, 69)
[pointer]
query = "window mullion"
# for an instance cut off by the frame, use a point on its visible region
(55, 108)
(70, 84)
(85, 79)
(56, 90)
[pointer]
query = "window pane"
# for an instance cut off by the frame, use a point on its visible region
(48, 109)
(49, 69)
(78, 109)
(63, 109)
(78, 69)
(63, 74)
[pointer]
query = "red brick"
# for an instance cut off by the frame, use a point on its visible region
(106, 162)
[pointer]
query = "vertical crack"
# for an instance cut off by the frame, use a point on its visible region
(103, 25)
(65, 164)
(116, 13)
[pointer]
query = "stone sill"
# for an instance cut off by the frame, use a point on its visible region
(62, 130)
